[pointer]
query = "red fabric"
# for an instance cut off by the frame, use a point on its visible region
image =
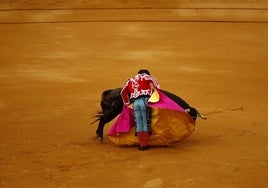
(137, 86)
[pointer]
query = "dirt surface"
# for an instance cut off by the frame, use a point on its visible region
(52, 76)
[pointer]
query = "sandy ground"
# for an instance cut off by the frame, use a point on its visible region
(52, 76)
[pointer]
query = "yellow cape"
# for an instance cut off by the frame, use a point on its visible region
(168, 127)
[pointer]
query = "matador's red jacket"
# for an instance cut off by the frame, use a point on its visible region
(138, 86)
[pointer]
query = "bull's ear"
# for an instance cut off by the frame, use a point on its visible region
(154, 97)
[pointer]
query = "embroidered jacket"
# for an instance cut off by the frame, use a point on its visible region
(138, 86)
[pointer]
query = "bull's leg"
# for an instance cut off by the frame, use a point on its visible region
(99, 131)
(106, 118)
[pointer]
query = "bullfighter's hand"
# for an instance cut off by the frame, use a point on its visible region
(130, 105)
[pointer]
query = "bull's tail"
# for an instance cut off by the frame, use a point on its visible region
(96, 117)
(201, 115)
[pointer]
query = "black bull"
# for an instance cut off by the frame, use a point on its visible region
(112, 105)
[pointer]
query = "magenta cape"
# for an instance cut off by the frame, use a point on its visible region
(126, 120)
(166, 103)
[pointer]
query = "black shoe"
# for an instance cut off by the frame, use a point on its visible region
(145, 147)
(142, 148)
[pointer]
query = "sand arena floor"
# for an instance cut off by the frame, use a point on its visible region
(52, 76)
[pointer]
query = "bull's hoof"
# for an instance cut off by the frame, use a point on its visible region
(98, 136)
(100, 139)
